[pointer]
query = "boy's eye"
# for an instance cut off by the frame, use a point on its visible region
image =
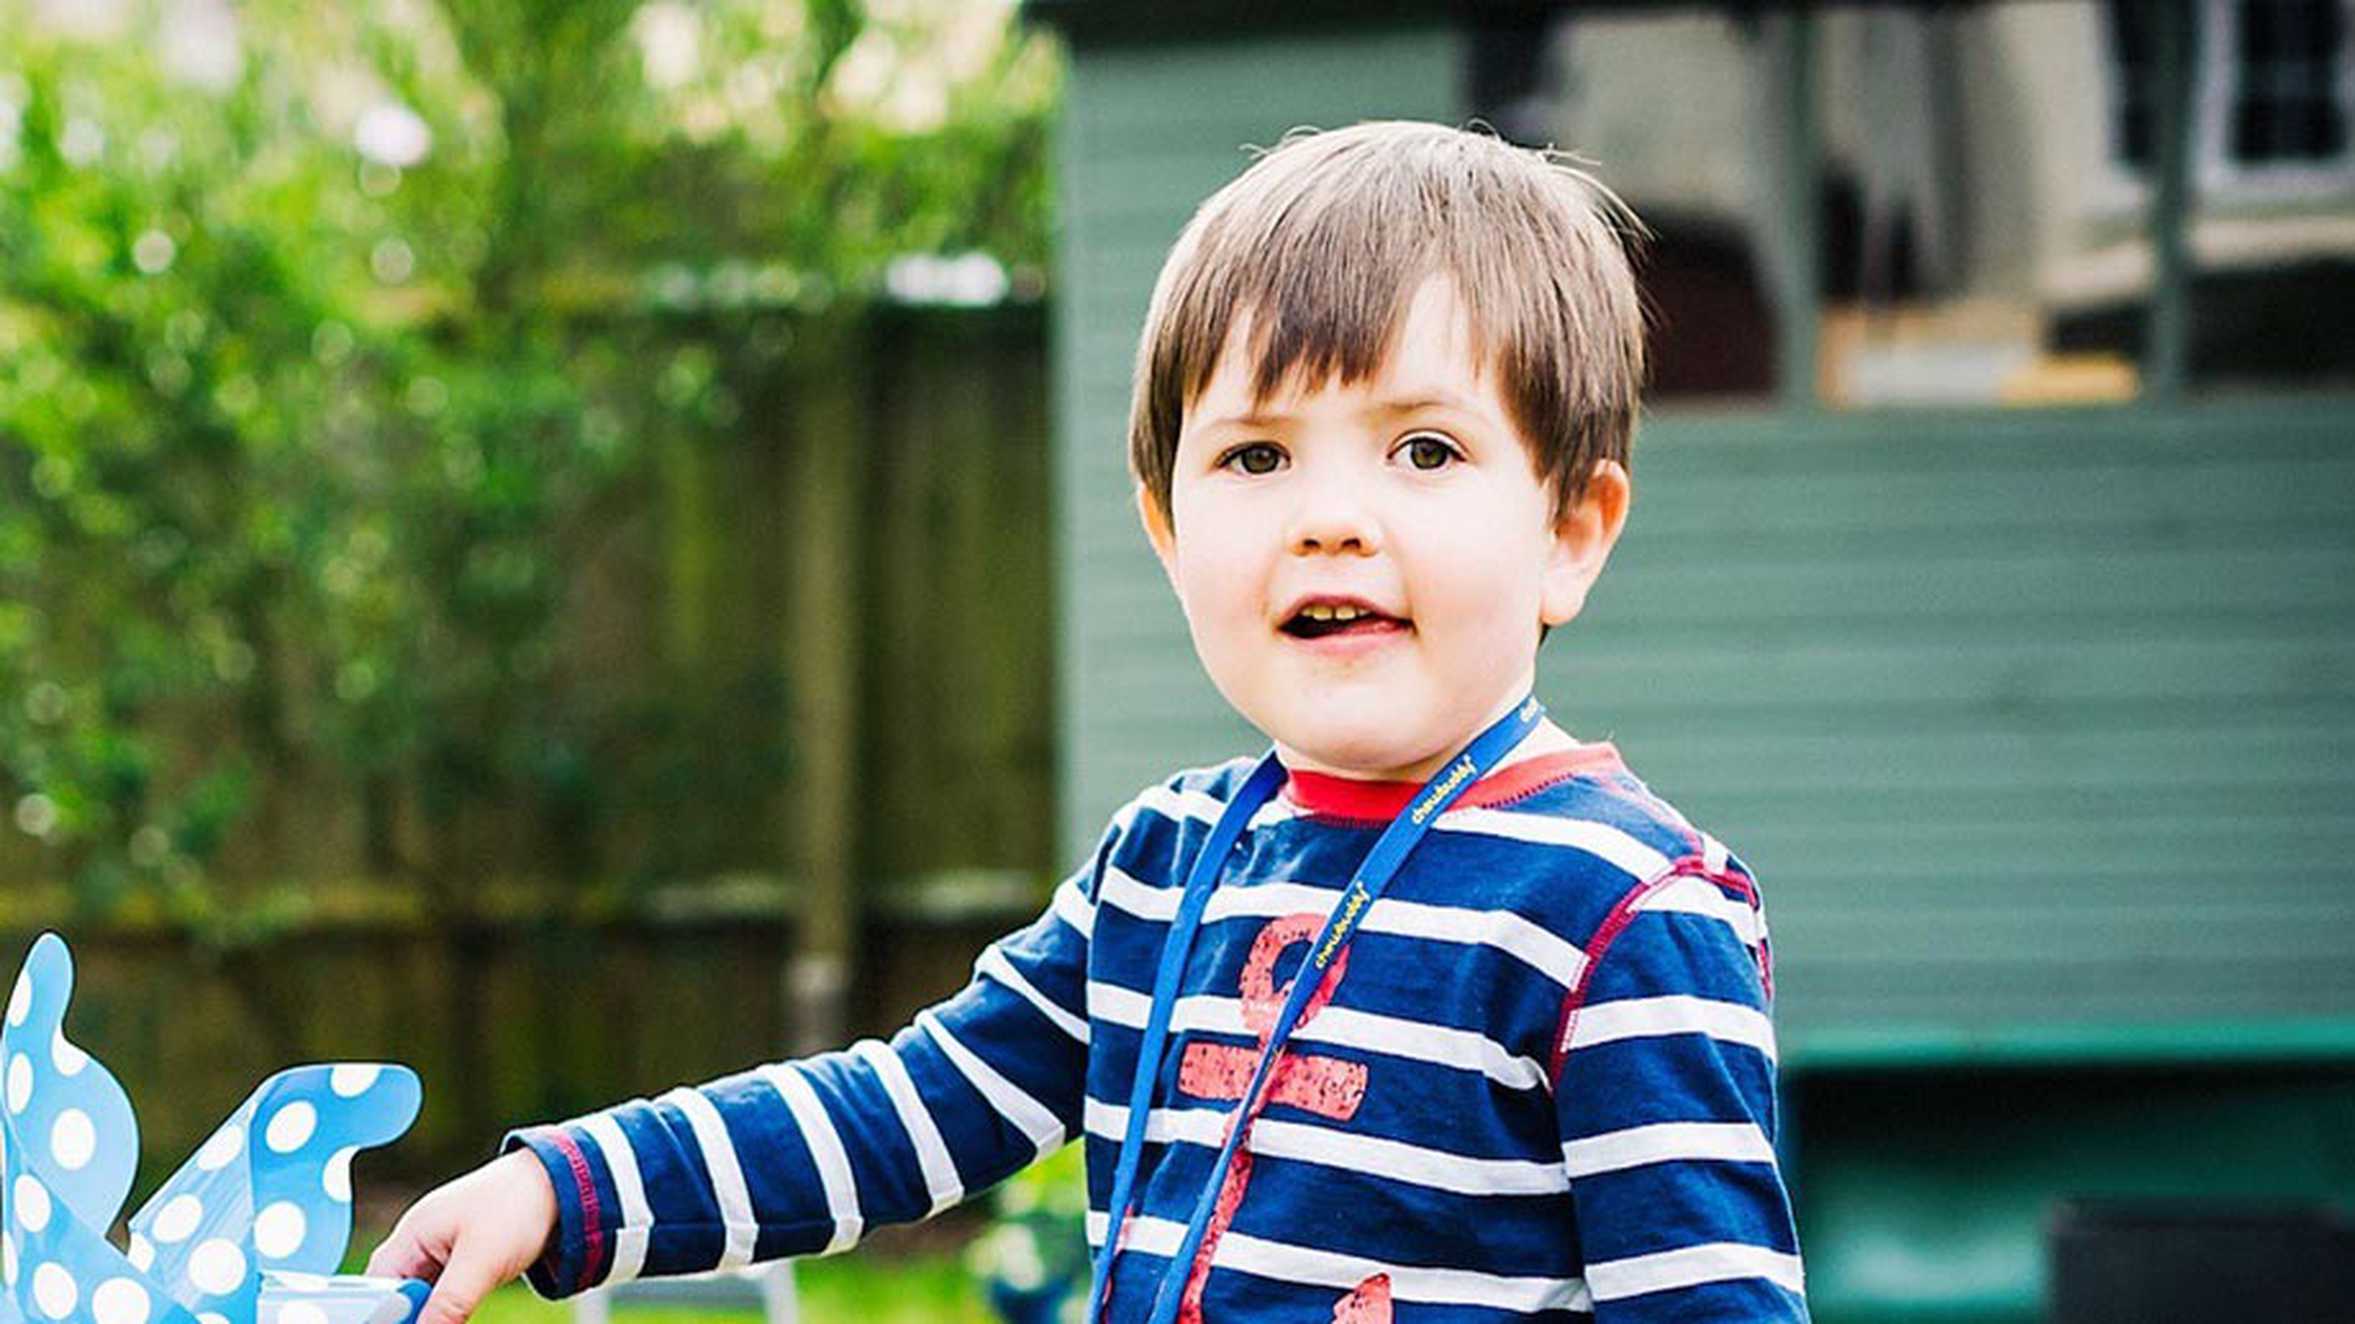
(1426, 451)
(1258, 457)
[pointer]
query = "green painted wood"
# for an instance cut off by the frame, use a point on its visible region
(1146, 134)
(2138, 1044)
(1795, 180)
(1926, 1193)
(2175, 75)
(2024, 718)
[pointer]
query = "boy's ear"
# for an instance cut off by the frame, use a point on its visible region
(1582, 541)
(1158, 532)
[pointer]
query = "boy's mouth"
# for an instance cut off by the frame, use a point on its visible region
(1326, 617)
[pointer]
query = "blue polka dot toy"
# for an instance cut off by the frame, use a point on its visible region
(248, 1231)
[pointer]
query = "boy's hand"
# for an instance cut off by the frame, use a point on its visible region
(472, 1234)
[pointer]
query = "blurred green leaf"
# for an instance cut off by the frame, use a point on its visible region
(330, 335)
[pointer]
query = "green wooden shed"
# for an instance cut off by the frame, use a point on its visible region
(1991, 581)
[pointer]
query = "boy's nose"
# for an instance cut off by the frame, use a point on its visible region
(1332, 519)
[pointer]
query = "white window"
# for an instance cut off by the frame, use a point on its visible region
(2273, 96)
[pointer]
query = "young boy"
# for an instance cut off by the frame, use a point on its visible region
(1381, 424)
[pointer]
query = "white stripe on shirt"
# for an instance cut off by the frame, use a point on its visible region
(825, 1145)
(1197, 806)
(1028, 1115)
(1072, 906)
(1692, 895)
(1600, 840)
(1676, 1013)
(932, 1153)
(1512, 934)
(994, 964)
(1666, 1142)
(1376, 1156)
(1690, 1266)
(1343, 1027)
(727, 1175)
(629, 1241)
(1289, 1263)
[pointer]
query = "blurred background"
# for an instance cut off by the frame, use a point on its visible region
(580, 546)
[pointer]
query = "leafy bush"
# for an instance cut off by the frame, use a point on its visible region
(333, 339)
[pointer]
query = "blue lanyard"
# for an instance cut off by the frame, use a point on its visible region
(1380, 864)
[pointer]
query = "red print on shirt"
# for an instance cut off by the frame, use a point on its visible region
(1325, 1086)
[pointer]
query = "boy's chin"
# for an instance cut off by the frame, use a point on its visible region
(1359, 754)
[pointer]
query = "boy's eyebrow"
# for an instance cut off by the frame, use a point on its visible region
(1405, 404)
(1429, 399)
(1250, 419)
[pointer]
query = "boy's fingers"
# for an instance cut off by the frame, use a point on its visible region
(400, 1257)
(464, 1282)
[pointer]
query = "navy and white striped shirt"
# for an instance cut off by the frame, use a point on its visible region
(1542, 1086)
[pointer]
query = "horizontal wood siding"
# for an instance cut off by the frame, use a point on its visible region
(1147, 133)
(2022, 718)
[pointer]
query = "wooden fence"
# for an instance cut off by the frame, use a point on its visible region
(507, 1023)
(857, 576)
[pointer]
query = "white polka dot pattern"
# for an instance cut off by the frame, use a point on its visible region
(218, 1267)
(278, 1230)
(224, 1147)
(337, 1180)
(120, 1301)
(73, 1140)
(395, 1310)
(352, 1079)
(248, 1231)
(54, 1291)
(32, 1203)
(68, 1059)
(291, 1126)
(178, 1219)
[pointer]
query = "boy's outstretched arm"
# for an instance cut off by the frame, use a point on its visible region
(1666, 1103)
(790, 1158)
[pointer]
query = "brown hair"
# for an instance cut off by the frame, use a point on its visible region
(1322, 243)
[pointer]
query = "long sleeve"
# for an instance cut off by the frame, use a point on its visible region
(1666, 1106)
(801, 1157)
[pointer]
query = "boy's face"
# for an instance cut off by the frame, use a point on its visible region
(1409, 498)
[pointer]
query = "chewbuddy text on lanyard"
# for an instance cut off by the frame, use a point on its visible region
(1381, 863)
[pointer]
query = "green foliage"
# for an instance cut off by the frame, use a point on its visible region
(1038, 1244)
(332, 341)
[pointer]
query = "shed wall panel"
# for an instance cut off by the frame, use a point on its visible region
(2021, 717)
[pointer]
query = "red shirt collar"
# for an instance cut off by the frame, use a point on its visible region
(1329, 796)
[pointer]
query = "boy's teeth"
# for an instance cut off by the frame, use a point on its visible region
(1321, 612)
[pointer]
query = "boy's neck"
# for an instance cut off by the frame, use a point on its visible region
(1420, 772)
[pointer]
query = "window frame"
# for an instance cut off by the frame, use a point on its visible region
(2222, 181)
